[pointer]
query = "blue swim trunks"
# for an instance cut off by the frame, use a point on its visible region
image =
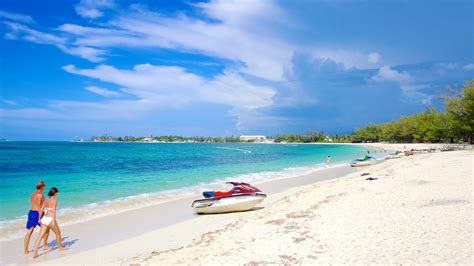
(33, 217)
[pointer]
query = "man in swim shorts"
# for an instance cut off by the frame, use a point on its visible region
(36, 201)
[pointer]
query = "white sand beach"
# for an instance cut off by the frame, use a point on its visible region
(419, 210)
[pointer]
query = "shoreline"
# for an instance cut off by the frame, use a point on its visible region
(109, 228)
(14, 228)
(105, 230)
(414, 212)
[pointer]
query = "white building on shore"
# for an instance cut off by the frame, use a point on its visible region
(255, 138)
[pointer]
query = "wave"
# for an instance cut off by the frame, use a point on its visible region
(12, 229)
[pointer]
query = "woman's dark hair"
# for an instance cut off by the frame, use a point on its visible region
(52, 191)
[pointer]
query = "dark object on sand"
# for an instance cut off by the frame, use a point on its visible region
(371, 178)
(364, 174)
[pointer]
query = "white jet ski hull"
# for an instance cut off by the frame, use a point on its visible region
(363, 163)
(394, 156)
(234, 203)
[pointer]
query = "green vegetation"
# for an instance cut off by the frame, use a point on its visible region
(308, 138)
(106, 138)
(454, 124)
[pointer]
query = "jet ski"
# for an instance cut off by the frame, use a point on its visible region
(363, 162)
(395, 155)
(242, 197)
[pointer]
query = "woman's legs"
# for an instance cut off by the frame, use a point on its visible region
(38, 240)
(45, 239)
(57, 232)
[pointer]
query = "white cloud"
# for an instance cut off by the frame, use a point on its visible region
(102, 91)
(28, 34)
(236, 35)
(150, 82)
(247, 34)
(88, 53)
(160, 87)
(414, 92)
(93, 8)
(468, 67)
(20, 31)
(373, 58)
(442, 68)
(16, 17)
(347, 57)
(157, 89)
(386, 73)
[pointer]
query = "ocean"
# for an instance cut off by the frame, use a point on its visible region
(97, 179)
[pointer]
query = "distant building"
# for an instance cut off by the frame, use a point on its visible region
(256, 138)
(328, 139)
(148, 139)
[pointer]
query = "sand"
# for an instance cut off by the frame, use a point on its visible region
(419, 210)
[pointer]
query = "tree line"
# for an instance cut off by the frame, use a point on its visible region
(454, 124)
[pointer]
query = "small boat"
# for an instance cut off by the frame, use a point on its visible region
(242, 197)
(395, 156)
(362, 162)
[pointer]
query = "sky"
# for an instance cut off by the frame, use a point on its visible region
(76, 69)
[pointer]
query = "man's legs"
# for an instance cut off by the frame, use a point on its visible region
(27, 240)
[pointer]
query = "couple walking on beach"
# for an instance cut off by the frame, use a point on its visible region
(43, 214)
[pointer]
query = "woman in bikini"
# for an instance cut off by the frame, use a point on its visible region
(48, 220)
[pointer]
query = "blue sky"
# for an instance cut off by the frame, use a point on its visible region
(74, 69)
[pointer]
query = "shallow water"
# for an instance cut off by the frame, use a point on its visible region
(97, 179)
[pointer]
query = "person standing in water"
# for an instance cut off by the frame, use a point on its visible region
(34, 215)
(48, 221)
(328, 159)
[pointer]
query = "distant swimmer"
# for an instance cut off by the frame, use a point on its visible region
(328, 159)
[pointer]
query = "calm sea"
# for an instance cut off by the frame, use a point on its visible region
(96, 179)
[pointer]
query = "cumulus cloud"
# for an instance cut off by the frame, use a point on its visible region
(347, 57)
(373, 58)
(247, 34)
(234, 33)
(268, 78)
(162, 87)
(93, 8)
(386, 73)
(171, 85)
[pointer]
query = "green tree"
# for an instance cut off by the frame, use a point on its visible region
(460, 113)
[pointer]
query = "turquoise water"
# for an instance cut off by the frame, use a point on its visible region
(94, 174)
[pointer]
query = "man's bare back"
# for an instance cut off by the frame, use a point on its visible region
(36, 200)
